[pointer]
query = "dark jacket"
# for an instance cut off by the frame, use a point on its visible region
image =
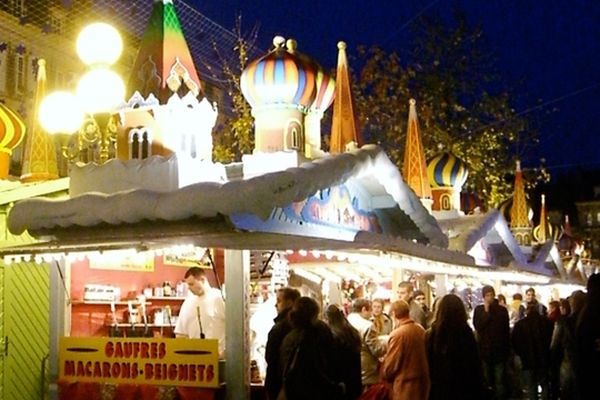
(493, 332)
(308, 360)
(273, 378)
(454, 366)
(531, 339)
(347, 366)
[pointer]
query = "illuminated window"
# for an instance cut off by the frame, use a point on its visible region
(295, 139)
(140, 143)
(445, 202)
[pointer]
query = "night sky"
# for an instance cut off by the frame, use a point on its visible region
(548, 51)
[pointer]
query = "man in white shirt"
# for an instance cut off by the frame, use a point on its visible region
(202, 314)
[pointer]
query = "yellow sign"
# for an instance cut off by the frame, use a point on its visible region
(123, 260)
(148, 361)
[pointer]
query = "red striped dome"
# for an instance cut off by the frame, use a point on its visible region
(12, 129)
(325, 85)
(280, 77)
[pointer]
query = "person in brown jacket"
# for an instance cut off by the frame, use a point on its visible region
(405, 364)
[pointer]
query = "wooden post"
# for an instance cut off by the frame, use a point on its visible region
(237, 352)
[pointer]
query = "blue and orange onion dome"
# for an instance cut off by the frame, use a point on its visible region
(446, 170)
(282, 77)
(12, 131)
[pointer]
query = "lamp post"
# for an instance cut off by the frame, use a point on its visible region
(89, 111)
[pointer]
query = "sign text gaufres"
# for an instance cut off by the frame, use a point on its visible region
(153, 361)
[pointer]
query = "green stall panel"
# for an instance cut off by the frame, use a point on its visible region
(26, 329)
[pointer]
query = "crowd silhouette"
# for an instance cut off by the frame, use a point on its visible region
(517, 350)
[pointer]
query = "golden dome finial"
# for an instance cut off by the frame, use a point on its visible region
(341, 45)
(291, 45)
(412, 102)
(278, 41)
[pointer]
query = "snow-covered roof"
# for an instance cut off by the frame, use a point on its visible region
(258, 196)
(464, 233)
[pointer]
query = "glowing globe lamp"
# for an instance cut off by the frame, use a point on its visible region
(99, 43)
(60, 112)
(100, 90)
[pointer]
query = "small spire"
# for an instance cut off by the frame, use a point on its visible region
(39, 154)
(542, 232)
(519, 217)
(344, 129)
(414, 167)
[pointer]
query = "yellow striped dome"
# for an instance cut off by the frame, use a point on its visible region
(446, 170)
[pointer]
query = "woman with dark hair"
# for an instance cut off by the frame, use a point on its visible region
(454, 363)
(307, 356)
(346, 347)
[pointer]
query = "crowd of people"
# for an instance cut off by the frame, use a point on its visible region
(507, 351)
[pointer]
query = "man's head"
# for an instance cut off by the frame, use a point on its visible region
(377, 307)
(405, 291)
(196, 281)
(518, 296)
(285, 298)
(399, 309)
(362, 307)
(419, 297)
(488, 294)
(530, 295)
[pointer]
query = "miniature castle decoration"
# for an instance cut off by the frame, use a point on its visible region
(447, 174)
(519, 215)
(288, 93)
(345, 134)
(164, 138)
(163, 115)
(12, 130)
(414, 167)
(39, 154)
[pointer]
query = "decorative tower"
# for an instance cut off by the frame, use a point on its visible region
(164, 115)
(344, 129)
(447, 175)
(288, 93)
(280, 87)
(39, 156)
(164, 138)
(414, 167)
(12, 130)
(519, 216)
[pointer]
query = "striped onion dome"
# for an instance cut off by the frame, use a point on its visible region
(446, 170)
(282, 77)
(12, 129)
(325, 85)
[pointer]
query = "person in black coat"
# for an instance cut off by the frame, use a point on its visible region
(307, 356)
(346, 347)
(531, 339)
(587, 342)
(454, 363)
(273, 379)
(493, 335)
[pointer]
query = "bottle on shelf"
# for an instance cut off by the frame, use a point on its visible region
(167, 289)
